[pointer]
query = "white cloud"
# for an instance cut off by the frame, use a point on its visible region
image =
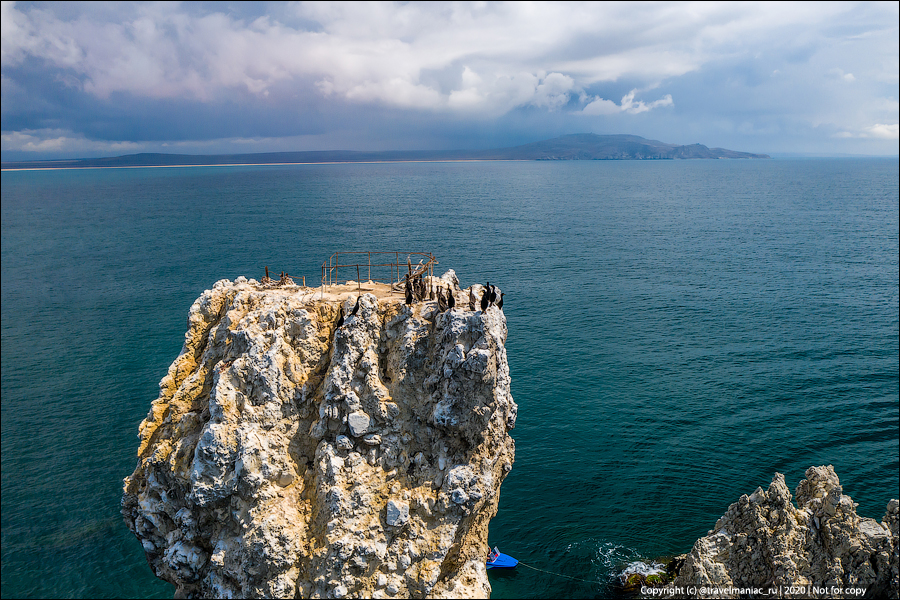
(377, 52)
(883, 131)
(553, 91)
(468, 96)
(495, 95)
(630, 106)
(59, 141)
(599, 106)
(397, 91)
(841, 75)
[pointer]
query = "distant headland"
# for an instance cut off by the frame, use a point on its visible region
(579, 146)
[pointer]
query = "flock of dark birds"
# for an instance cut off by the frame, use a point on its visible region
(418, 291)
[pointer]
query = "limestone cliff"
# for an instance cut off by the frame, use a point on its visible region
(287, 456)
(819, 549)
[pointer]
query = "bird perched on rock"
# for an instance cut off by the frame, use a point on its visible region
(441, 301)
(485, 299)
(341, 320)
(471, 299)
(355, 308)
(419, 289)
(409, 296)
(431, 290)
(451, 301)
(500, 301)
(493, 294)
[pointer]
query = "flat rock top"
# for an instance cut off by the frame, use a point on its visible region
(331, 293)
(350, 289)
(341, 292)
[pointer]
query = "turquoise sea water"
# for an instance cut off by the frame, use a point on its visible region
(678, 331)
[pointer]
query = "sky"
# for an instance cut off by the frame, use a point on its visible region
(108, 79)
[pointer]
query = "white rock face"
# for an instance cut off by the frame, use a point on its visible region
(287, 457)
(818, 549)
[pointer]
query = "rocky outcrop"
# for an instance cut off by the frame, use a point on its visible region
(764, 546)
(287, 456)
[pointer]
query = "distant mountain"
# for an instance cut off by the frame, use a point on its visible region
(589, 146)
(579, 146)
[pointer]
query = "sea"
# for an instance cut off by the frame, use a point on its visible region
(679, 331)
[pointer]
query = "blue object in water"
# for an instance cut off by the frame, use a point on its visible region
(497, 560)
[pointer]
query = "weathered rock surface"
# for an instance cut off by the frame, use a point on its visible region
(287, 457)
(818, 549)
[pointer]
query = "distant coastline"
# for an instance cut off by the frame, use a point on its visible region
(256, 164)
(582, 146)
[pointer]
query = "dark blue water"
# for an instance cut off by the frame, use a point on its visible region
(679, 331)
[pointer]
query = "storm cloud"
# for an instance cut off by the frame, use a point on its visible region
(91, 79)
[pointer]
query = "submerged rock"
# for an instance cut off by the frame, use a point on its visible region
(287, 457)
(764, 546)
(640, 574)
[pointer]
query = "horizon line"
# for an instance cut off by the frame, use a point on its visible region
(447, 160)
